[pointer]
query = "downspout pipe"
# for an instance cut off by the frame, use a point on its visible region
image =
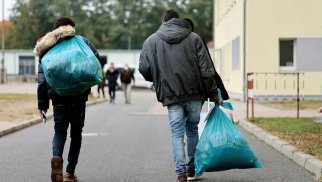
(2, 71)
(244, 53)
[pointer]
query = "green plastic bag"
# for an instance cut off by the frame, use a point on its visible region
(222, 146)
(71, 67)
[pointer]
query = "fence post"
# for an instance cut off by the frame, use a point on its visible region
(253, 108)
(247, 100)
(250, 86)
(298, 96)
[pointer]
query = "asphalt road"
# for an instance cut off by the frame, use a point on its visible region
(125, 143)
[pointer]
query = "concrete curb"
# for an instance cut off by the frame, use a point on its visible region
(308, 162)
(34, 121)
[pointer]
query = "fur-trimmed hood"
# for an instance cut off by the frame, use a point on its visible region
(51, 39)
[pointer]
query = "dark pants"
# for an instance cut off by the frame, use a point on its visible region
(111, 91)
(64, 114)
(101, 87)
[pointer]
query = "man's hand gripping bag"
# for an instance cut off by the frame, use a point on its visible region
(222, 146)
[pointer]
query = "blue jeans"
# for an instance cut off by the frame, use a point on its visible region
(184, 118)
(127, 87)
(65, 114)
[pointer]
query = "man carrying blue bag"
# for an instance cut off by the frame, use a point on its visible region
(68, 67)
(175, 59)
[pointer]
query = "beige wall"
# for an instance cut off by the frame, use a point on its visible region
(267, 22)
(229, 26)
(270, 20)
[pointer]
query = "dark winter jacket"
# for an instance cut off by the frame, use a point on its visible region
(112, 77)
(219, 82)
(176, 61)
(127, 76)
(45, 91)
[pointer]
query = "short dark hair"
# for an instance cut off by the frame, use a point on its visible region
(169, 14)
(64, 21)
(189, 23)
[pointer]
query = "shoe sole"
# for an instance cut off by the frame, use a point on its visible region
(195, 178)
(70, 180)
(56, 170)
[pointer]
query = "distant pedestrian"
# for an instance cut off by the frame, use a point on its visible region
(111, 76)
(68, 110)
(100, 87)
(127, 76)
(176, 60)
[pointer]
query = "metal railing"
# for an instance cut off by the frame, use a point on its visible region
(273, 86)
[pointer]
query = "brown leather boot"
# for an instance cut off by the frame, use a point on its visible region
(70, 177)
(56, 169)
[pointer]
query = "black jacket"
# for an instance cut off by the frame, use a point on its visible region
(176, 61)
(131, 74)
(220, 84)
(45, 91)
(112, 77)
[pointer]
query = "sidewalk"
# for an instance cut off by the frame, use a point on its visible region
(30, 88)
(27, 88)
(19, 88)
(264, 111)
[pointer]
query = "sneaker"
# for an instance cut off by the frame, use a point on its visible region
(56, 169)
(70, 177)
(182, 177)
(191, 174)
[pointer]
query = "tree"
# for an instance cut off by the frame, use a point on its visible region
(24, 25)
(113, 24)
(7, 25)
(30, 20)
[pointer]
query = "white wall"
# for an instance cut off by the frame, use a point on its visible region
(12, 59)
(117, 56)
(121, 56)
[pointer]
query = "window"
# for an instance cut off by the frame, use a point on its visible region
(286, 53)
(236, 54)
(27, 65)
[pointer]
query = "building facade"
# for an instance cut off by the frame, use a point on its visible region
(24, 63)
(271, 38)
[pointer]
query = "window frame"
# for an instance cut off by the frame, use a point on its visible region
(287, 68)
(27, 65)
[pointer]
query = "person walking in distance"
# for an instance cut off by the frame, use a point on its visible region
(175, 59)
(101, 86)
(127, 76)
(111, 76)
(68, 110)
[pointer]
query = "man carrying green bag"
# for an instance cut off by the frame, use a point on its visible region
(222, 146)
(68, 67)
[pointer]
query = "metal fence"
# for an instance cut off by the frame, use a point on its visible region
(270, 86)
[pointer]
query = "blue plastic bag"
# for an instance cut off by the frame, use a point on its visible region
(222, 146)
(71, 67)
